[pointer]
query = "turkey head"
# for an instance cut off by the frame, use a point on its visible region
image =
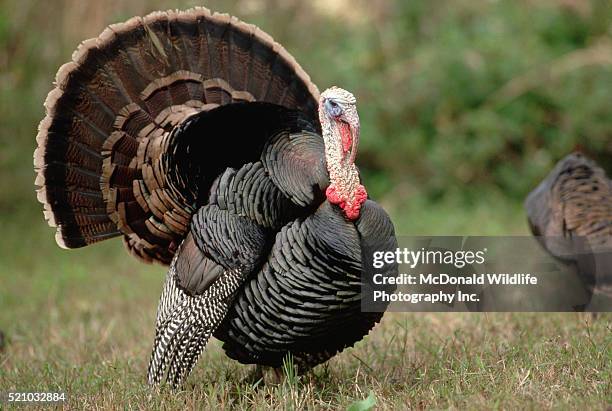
(340, 127)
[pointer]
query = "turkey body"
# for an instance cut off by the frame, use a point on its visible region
(196, 138)
(570, 212)
(306, 299)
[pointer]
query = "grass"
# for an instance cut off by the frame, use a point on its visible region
(81, 322)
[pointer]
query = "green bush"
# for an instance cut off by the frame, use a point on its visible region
(475, 95)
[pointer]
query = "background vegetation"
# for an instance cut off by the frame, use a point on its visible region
(465, 106)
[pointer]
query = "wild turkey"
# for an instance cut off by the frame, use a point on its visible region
(570, 212)
(197, 138)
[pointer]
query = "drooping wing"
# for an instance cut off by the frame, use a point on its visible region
(200, 287)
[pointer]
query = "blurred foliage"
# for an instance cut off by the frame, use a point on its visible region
(459, 99)
(474, 95)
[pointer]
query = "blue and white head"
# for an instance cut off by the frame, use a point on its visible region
(340, 127)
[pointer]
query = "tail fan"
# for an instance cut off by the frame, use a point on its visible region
(102, 151)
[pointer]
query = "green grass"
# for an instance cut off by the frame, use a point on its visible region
(81, 322)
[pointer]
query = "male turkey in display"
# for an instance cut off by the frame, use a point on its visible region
(201, 142)
(570, 212)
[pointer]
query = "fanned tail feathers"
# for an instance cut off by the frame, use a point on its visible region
(101, 150)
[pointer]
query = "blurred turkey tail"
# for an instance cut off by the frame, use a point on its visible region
(101, 147)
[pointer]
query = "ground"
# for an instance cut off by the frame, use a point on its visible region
(81, 322)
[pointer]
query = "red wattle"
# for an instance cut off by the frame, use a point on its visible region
(351, 207)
